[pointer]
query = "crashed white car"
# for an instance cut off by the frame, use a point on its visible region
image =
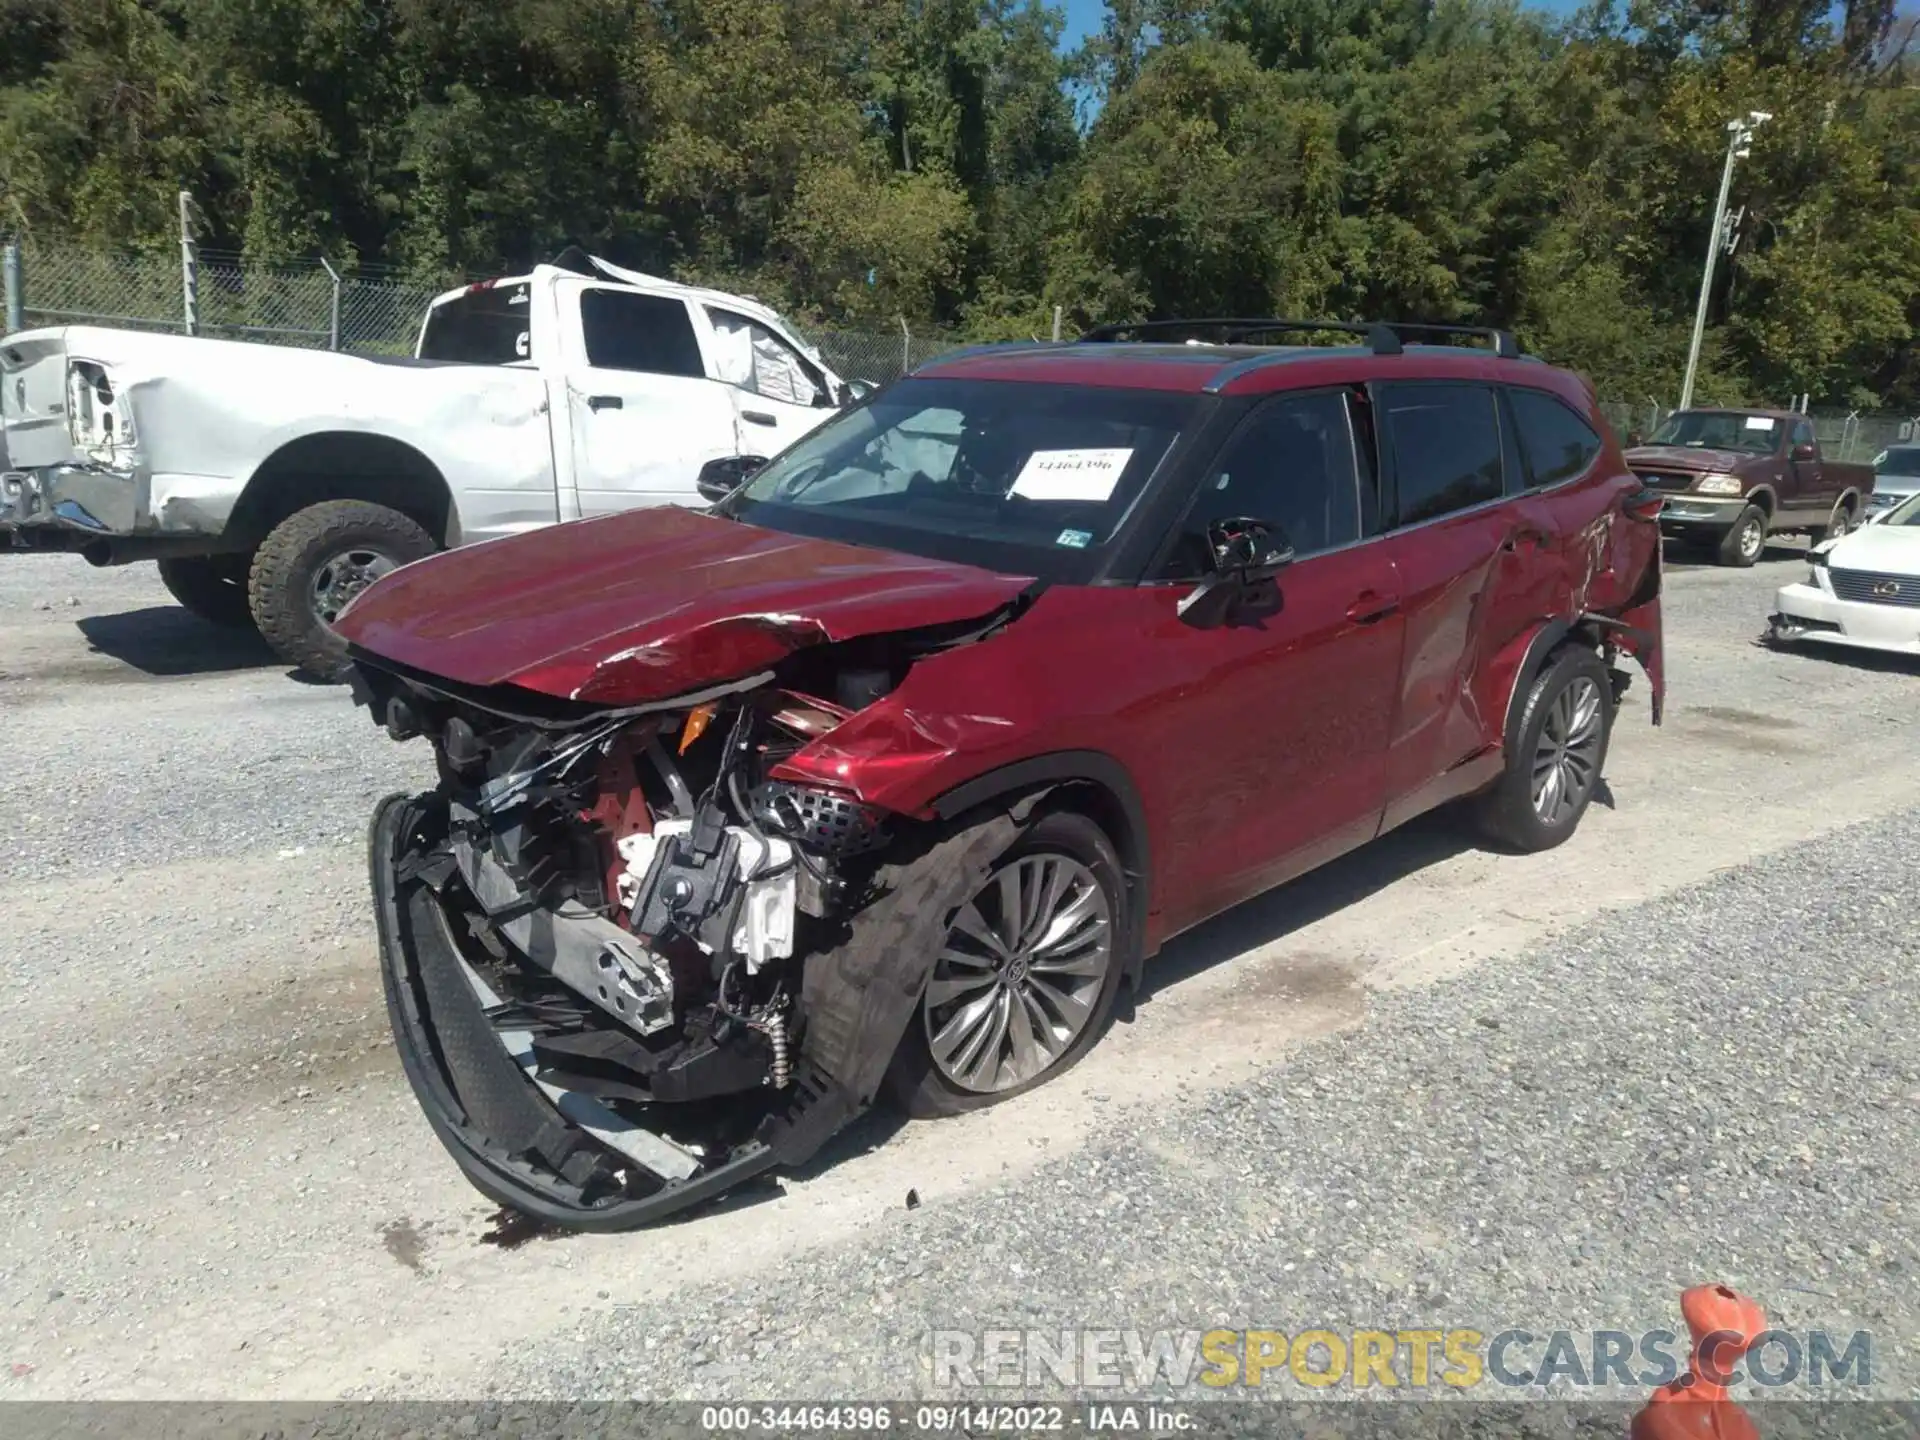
(274, 484)
(1862, 589)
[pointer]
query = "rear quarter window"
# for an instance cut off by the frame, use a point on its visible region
(1555, 442)
(482, 327)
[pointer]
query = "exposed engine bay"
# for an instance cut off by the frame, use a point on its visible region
(620, 905)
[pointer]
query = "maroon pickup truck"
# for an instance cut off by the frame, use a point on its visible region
(1737, 476)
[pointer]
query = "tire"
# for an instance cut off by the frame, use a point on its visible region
(1057, 843)
(1839, 523)
(214, 587)
(316, 560)
(1511, 813)
(1746, 539)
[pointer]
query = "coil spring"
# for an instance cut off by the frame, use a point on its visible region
(775, 1029)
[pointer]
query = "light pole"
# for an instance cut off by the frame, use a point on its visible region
(1739, 146)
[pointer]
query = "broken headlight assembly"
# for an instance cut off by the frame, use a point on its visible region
(618, 908)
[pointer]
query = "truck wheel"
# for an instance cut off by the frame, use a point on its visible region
(313, 563)
(1838, 524)
(1555, 757)
(1744, 542)
(1027, 970)
(214, 587)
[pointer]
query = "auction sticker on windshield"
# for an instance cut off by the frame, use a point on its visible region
(1071, 474)
(1759, 422)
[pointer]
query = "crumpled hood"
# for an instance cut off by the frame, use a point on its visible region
(1688, 458)
(650, 604)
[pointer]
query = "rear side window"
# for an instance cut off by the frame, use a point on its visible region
(1290, 465)
(1445, 444)
(483, 327)
(647, 333)
(1557, 443)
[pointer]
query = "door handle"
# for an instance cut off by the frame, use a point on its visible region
(758, 417)
(597, 403)
(1369, 608)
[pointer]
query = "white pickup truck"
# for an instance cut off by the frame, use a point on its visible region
(274, 484)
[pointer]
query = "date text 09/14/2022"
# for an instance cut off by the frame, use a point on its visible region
(922, 1419)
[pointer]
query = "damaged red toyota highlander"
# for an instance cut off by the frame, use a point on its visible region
(883, 776)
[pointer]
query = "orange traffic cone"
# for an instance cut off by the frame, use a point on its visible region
(1724, 1323)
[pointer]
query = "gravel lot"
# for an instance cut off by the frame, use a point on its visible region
(1427, 1086)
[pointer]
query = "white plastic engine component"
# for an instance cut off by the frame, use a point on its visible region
(765, 931)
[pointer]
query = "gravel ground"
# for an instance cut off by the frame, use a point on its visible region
(1723, 1084)
(217, 1184)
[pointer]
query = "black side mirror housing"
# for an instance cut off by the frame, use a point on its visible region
(1805, 452)
(1245, 552)
(720, 478)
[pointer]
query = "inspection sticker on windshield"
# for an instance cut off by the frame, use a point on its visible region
(1075, 539)
(1759, 422)
(1071, 474)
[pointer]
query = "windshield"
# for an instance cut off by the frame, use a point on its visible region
(1898, 460)
(481, 327)
(1907, 512)
(1719, 430)
(1026, 479)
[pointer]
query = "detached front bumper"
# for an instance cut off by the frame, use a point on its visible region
(1804, 612)
(519, 1146)
(1700, 512)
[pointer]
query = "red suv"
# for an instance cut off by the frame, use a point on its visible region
(887, 771)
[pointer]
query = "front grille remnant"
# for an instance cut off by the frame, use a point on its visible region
(1873, 587)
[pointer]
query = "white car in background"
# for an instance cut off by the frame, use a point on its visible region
(1861, 590)
(273, 484)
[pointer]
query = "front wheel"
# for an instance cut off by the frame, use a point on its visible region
(1025, 976)
(1556, 755)
(312, 565)
(1743, 544)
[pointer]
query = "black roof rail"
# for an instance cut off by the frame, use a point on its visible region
(1383, 337)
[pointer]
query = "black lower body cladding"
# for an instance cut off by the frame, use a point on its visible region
(526, 1145)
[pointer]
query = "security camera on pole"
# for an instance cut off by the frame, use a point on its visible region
(1739, 146)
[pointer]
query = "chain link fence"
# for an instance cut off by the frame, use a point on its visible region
(307, 303)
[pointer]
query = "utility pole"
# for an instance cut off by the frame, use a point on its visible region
(1739, 146)
(15, 286)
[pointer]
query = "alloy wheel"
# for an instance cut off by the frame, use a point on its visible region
(1566, 760)
(1753, 538)
(343, 576)
(1020, 973)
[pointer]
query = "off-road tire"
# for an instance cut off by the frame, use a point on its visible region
(279, 588)
(1505, 813)
(913, 1082)
(1734, 547)
(1839, 523)
(214, 587)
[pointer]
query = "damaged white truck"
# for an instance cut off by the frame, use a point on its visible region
(273, 484)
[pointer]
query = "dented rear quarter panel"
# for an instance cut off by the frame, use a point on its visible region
(208, 413)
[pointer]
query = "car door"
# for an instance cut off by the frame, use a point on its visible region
(1477, 559)
(1280, 720)
(778, 394)
(643, 415)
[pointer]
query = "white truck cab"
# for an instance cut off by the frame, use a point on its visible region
(273, 484)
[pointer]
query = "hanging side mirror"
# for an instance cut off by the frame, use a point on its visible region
(720, 478)
(1245, 552)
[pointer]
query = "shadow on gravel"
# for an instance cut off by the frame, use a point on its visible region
(1334, 886)
(166, 640)
(1680, 556)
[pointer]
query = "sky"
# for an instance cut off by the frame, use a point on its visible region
(1084, 16)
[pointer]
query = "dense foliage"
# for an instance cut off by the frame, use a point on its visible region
(940, 160)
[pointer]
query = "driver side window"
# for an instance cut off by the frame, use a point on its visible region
(758, 361)
(1291, 465)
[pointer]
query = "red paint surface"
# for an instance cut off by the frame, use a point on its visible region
(650, 604)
